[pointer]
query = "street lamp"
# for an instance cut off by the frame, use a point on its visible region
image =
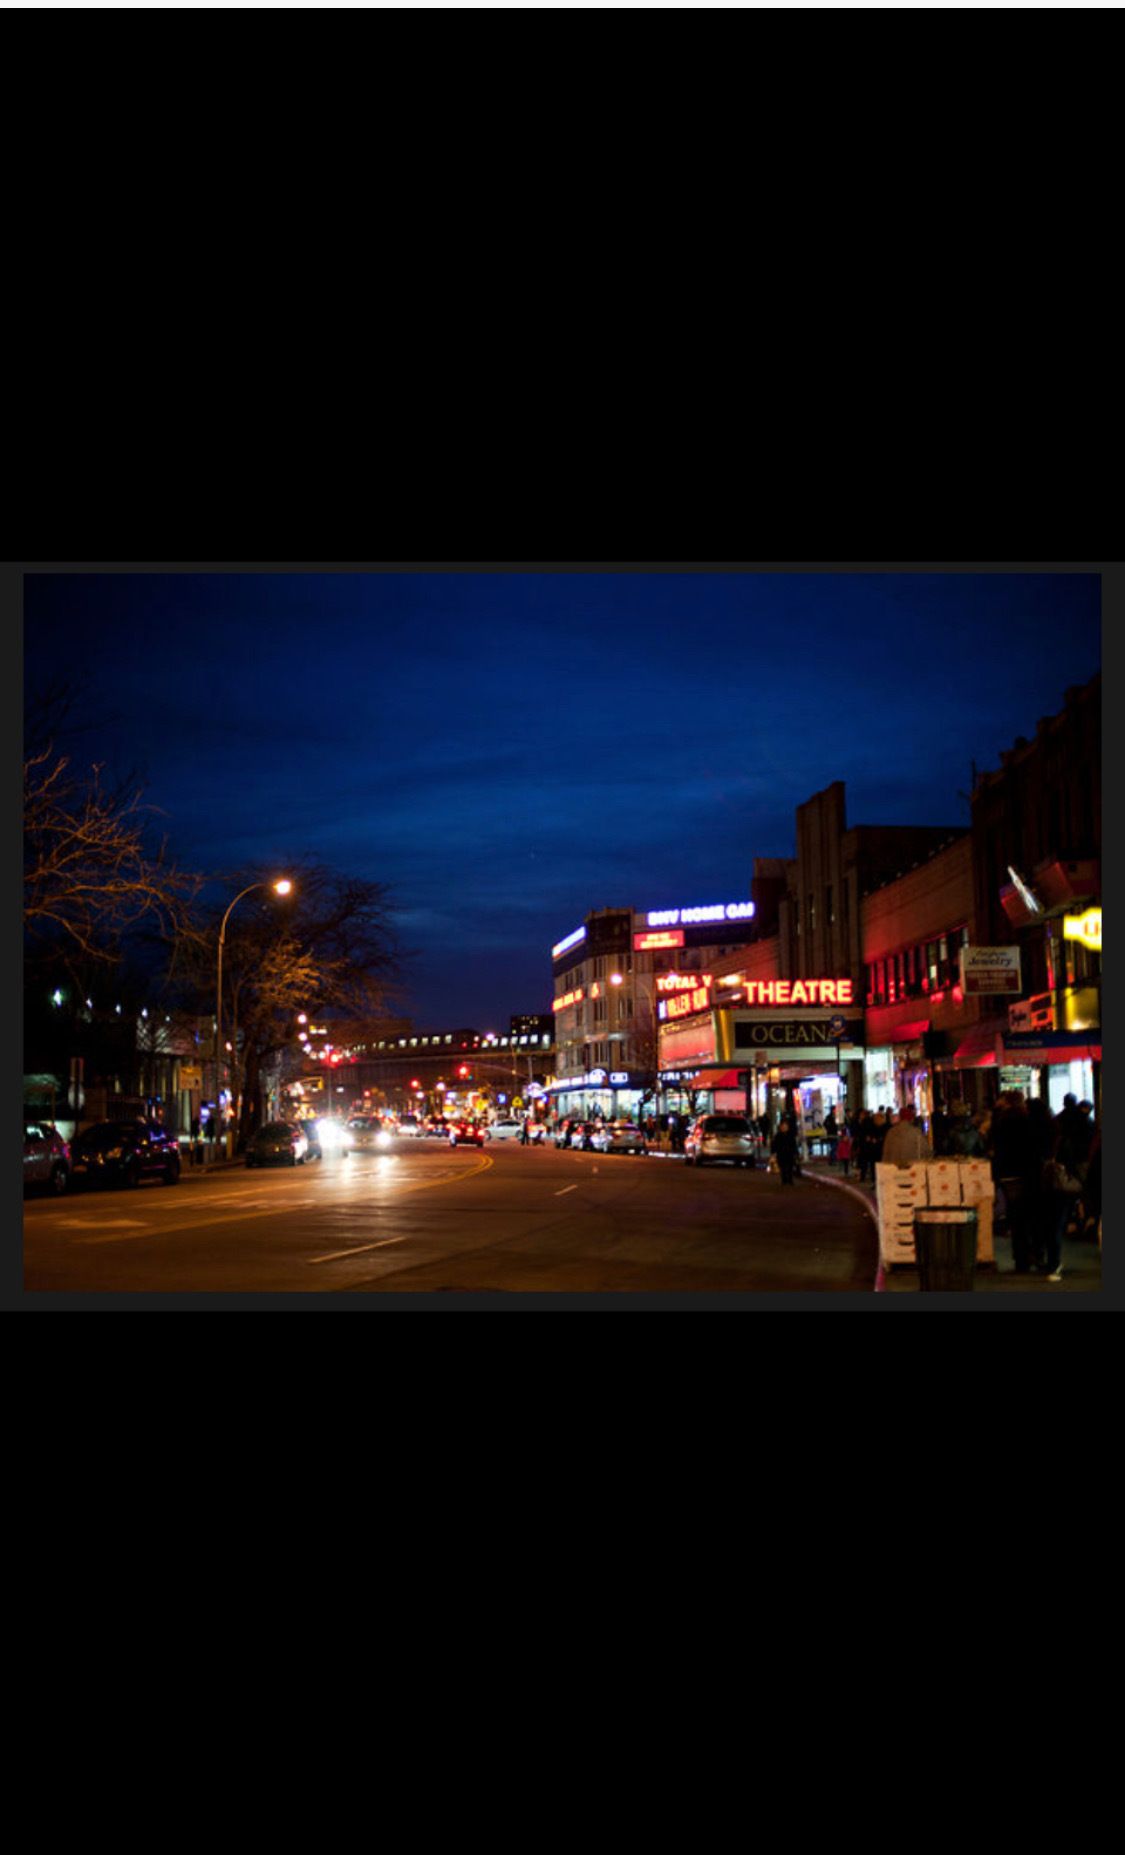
(281, 887)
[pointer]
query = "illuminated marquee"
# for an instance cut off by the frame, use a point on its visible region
(643, 943)
(569, 998)
(690, 917)
(681, 982)
(678, 1006)
(799, 992)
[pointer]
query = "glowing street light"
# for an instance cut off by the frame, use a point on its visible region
(281, 887)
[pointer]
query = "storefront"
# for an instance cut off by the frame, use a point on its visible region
(1053, 1064)
(598, 1094)
(787, 1046)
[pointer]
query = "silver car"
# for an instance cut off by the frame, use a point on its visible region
(46, 1157)
(720, 1137)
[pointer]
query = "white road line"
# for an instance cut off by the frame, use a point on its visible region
(565, 1189)
(361, 1250)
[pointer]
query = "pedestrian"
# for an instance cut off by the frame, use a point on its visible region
(1017, 1169)
(905, 1142)
(1057, 1198)
(784, 1149)
(879, 1134)
(1074, 1133)
(523, 1132)
(844, 1150)
(963, 1138)
(832, 1135)
(865, 1146)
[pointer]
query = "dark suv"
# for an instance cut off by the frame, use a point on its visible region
(124, 1153)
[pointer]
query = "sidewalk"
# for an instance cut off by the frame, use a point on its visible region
(1081, 1261)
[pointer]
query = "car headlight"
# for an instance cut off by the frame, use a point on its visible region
(332, 1136)
(383, 1139)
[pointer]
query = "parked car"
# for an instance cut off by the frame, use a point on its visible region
(562, 1133)
(720, 1137)
(410, 1124)
(124, 1153)
(618, 1137)
(506, 1130)
(277, 1143)
(465, 1133)
(46, 1157)
(581, 1135)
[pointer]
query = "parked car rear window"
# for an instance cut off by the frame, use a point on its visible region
(726, 1124)
(110, 1133)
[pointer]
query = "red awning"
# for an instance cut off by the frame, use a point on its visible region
(715, 1079)
(907, 1033)
(977, 1050)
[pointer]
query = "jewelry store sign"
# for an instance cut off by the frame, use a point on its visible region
(990, 970)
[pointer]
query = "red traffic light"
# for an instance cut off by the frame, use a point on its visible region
(464, 1070)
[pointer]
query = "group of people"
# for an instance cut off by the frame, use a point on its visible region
(1043, 1165)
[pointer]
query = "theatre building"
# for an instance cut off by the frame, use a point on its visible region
(788, 1015)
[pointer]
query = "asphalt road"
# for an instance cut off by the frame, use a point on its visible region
(428, 1218)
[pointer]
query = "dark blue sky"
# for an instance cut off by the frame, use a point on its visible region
(510, 750)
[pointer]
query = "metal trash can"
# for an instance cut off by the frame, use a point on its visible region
(945, 1246)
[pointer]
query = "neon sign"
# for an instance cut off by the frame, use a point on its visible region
(571, 940)
(672, 937)
(568, 998)
(1086, 929)
(799, 992)
(681, 982)
(684, 1002)
(689, 917)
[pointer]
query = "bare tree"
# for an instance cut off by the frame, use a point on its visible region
(332, 949)
(89, 875)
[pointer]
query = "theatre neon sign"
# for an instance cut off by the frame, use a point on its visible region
(799, 992)
(686, 992)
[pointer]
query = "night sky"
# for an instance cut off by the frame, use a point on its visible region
(509, 750)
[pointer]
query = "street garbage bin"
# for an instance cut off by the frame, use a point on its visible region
(945, 1246)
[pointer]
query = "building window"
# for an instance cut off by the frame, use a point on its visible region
(828, 906)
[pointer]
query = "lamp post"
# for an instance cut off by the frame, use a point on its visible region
(281, 887)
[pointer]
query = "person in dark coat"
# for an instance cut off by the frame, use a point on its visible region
(832, 1133)
(866, 1145)
(1017, 1169)
(784, 1149)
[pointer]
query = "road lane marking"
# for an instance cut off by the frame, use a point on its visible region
(360, 1250)
(97, 1223)
(565, 1189)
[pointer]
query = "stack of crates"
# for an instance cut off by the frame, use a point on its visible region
(899, 1191)
(978, 1189)
(932, 1183)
